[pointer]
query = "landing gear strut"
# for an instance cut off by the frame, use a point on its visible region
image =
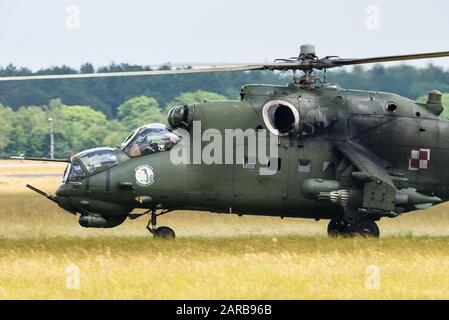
(365, 228)
(165, 233)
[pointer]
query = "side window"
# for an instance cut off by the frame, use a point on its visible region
(76, 172)
(304, 165)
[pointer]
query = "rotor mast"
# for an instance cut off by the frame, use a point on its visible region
(308, 80)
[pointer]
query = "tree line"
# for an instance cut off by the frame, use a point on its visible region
(26, 130)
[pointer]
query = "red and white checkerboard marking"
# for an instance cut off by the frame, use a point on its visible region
(419, 159)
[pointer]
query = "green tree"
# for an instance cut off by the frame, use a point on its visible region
(116, 134)
(87, 68)
(30, 135)
(193, 97)
(6, 128)
(138, 111)
(78, 128)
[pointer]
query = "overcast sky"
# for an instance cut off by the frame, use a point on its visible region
(42, 33)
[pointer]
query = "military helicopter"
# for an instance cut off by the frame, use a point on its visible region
(349, 156)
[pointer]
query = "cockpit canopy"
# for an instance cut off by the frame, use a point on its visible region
(90, 162)
(145, 140)
(148, 139)
(98, 159)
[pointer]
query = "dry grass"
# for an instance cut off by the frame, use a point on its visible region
(30, 167)
(214, 257)
(232, 268)
(11, 184)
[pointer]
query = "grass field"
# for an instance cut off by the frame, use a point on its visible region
(43, 250)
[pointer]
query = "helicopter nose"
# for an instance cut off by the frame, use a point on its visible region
(62, 194)
(62, 191)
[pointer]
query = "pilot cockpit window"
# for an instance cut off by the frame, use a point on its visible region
(96, 160)
(150, 139)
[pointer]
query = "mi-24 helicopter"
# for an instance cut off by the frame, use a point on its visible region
(349, 156)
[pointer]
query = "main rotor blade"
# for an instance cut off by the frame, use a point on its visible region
(134, 73)
(345, 62)
(40, 159)
(305, 65)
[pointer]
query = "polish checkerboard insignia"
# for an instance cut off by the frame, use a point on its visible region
(419, 159)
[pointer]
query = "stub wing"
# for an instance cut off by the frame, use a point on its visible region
(370, 166)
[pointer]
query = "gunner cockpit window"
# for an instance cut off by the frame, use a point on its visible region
(99, 159)
(150, 139)
(76, 173)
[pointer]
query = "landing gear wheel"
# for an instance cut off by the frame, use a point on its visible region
(165, 233)
(365, 228)
(336, 228)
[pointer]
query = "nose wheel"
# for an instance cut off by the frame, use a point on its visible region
(163, 232)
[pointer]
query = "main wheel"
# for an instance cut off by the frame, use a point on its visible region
(165, 233)
(336, 228)
(365, 228)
